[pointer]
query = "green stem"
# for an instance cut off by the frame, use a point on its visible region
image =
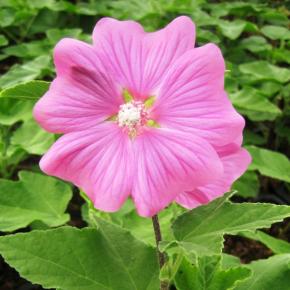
(161, 256)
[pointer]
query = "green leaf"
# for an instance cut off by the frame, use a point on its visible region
(278, 246)
(207, 274)
(32, 138)
(33, 197)
(270, 163)
(26, 72)
(71, 259)
(29, 49)
(32, 90)
(262, 70)
(255, 44)
(12, 111)
(251, 102)
(127, 218)
(200, 231)
(3, 40)
(275, 32)
(232, 29)
(247, 185)
(55, 34)
(272, 273)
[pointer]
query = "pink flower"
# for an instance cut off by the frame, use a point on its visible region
(143, 115)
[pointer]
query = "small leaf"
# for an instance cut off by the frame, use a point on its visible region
(232, 29)
(270, 163)
(33, 197)
(201, 230)
(32, 90)
(256, 44)
(26, 72)
(32, 138)
(3, 40)
(252, 102)
(12, 111)
(71, 259)
(278, 246)
(247, 185)
(207, 274)
(262, 70)
(275, 32)
(272, 273)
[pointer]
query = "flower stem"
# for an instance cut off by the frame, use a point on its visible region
(161, 256)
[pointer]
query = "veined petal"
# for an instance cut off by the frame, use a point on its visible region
(192, 98)
(167, 161)
(235, 162)
(139, 60)
(98, 160)
(82, 95)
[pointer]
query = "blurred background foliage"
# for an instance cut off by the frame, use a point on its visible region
(253, 36)
(255, 39)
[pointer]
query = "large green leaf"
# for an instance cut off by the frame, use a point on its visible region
(201, 230)
(32, 138)
(270, 163)
(263, 70)
(34, 197)
(127, 218)
(207, 274)
(32, 90)
(272, 273)
(109, 258)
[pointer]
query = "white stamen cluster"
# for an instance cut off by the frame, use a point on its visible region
(130, 115)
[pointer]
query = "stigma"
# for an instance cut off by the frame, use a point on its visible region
(132, 116)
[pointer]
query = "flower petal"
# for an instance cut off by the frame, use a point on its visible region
(136, 59)
(235, 161)
(82, 95)
(98, 160)
(192, 98)
(167, 163)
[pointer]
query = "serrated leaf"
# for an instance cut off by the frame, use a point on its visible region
(270, 163)
(201, 230)
(33, 197)
(32, 90)
(88, 259)
(272, 273)
(207, 274)
(32, 138)
(262, 70)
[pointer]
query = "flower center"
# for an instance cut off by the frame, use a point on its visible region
(132, 117)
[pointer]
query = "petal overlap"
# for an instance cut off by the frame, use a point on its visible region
(235, 162)
(168, 161)
(192, 97)
(139, 60)
(82, 95)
